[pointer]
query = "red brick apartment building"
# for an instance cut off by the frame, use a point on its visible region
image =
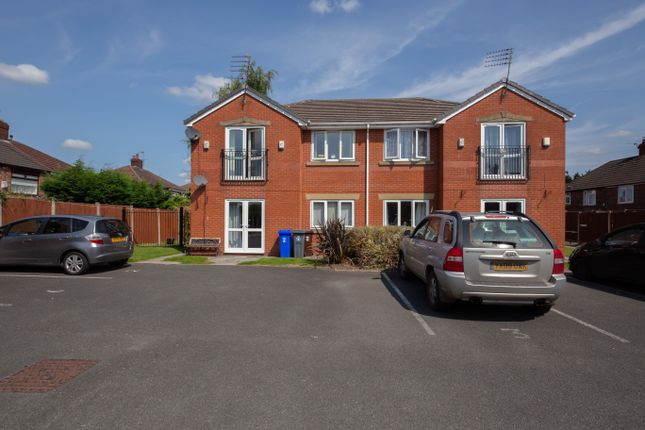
(373, 162)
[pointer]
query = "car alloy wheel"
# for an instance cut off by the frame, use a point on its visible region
(75, 263)
(433, 291)
(403, 269)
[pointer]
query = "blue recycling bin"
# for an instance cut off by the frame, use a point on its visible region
(285, 243)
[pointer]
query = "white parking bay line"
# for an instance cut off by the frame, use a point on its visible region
(591, 326)
(11, 275)
(408, 305)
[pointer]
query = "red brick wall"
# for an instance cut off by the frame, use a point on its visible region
(544, 191)
(607, 199)
(281, 193)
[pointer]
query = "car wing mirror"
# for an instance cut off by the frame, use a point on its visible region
(407, 233)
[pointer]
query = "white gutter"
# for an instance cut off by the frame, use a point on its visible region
(367, 176)
(375, 125)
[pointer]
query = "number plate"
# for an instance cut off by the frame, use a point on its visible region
(118, 239)
(509, 266)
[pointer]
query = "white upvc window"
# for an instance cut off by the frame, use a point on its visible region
(325, 210)
(625, 194)
(503, 205)
(332, 145)
(404, 212)
(24, 184)
(244, 157)
(589, 198)
(503, 151)
(407, 144)
(567, 199)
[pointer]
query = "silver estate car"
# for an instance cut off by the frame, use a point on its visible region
(483, 258)
(73, 242)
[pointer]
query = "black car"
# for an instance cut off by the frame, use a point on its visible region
(617, 256)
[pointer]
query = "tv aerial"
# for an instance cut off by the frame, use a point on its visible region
(500, 57)
(241, 68)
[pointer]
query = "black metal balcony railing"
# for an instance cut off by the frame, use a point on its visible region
(503, 163)
(244, 165)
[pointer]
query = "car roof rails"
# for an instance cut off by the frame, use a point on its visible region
(522, 214)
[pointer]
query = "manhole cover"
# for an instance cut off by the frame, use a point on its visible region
(44, 376)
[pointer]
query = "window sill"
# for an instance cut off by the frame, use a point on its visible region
(405, 163)
(332, 163)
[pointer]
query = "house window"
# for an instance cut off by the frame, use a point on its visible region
(589, 198)
(503, 151)
(332, 145)
(407, 144)
(244, 156)
(625, 194)
(404, 212)
(325, 210)
(24, 184)
(503, 205)
(567, 199)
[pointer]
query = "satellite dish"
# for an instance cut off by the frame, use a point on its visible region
(200, 180)
(192, 133)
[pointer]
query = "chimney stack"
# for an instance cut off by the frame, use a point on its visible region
(135, 161)
(4, 130)
(641, 148)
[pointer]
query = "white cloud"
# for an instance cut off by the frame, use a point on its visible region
(327, 6)
(619, 133)
(186, 160)
(24, 73)
(77, 144)
(320, 6)
(463, 84)
(150, 42)
(333, 64)
(183, 175)
(204, 89)
(349, 5)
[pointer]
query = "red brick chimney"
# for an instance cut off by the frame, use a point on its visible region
(4, 130)
(641, 148)
(135, 161)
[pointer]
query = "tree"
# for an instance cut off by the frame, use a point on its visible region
(82, 184)
(257, 78)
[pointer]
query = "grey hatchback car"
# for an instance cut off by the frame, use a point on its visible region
(483, 258)
(73, 242)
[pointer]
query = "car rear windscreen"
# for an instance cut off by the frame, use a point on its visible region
(113, 227)
(490, 232)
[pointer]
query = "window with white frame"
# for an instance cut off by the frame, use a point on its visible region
(325, 210)
(244, 157)
(404, 212)
(503, 151)
(589, 198)
(625, 194)
(332, 145)
(407, 144)
(24, 184)
(567, 199)
(503, 205)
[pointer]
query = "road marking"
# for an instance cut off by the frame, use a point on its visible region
(517, 334)
(3, 275)
(591, 326)
(408, 305)
(55, 291)
(5, 305)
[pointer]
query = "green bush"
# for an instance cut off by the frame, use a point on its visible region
(333, 240)
(374, 247)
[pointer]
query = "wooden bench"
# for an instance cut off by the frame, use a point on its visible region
(203, 246)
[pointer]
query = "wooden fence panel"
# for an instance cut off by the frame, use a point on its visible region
(13, 209)
(585, 226)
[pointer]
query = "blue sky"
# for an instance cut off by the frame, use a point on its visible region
(104, 80)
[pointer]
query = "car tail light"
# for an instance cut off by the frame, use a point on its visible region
(454, 260)
(558, 262)
(95, 238)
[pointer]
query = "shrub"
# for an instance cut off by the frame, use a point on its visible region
(333, 240)
(374, 247)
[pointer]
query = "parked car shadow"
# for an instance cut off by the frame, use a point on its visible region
(53, 270)
(622, 289)
(414, 291)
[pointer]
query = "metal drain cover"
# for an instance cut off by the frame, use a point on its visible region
(44, 376)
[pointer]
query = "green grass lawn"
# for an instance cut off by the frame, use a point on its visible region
(189, 259)
(143, 253)
(568, 250)
(276, 261)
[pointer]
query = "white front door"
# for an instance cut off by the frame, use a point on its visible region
(244, 226)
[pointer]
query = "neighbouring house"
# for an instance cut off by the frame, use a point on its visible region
(269, 166)
(136, 171)
(617, 184)
(23, 167)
